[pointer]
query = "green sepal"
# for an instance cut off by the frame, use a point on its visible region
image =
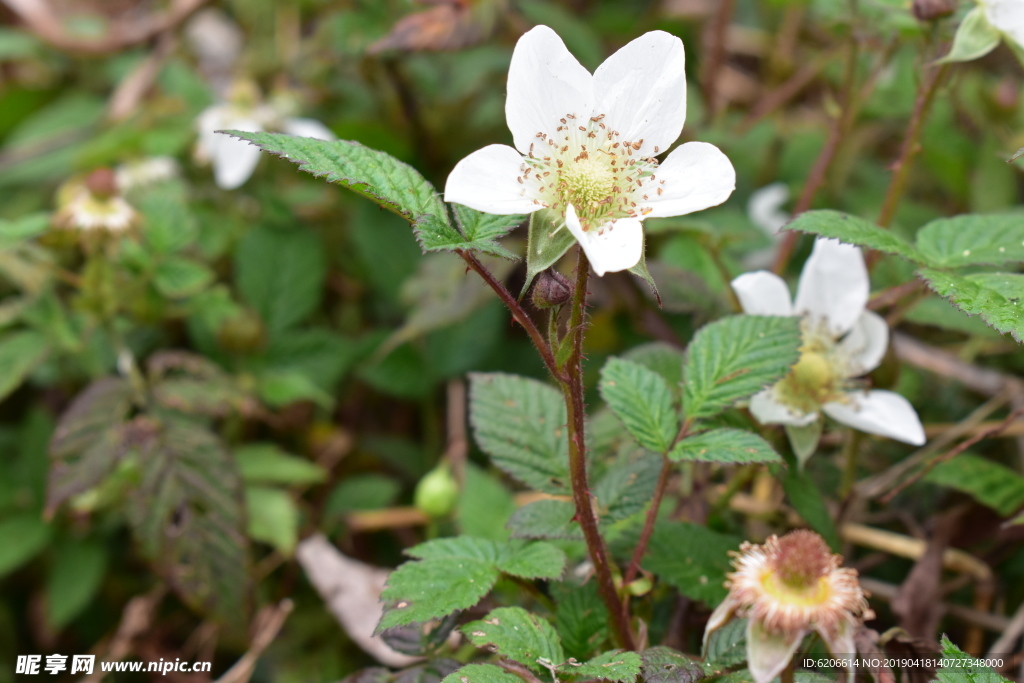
(975, 37)
(545, 244)
(640, 270)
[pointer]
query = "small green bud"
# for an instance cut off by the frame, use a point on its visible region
(243, 332)
(551, 289)
(437, 493)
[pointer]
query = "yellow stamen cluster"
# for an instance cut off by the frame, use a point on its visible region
(588, 165)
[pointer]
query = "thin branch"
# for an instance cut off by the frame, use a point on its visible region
(717, 53)
(266, 627)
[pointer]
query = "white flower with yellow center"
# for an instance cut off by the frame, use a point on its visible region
(585, 146)
(234, 160)
(786, 589)
(841, 341)
(94, 204)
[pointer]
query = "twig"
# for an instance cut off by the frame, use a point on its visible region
(572, 390)
(993, 622)
(716, 58)
(519, 670)
(135, 620)
(982, 380)
(266, 627)
(44, 22)
(518, 312)
(458, 446)
(899, 545)
(1011, 631)
(133, 88)
(950, 454)
(778, 97)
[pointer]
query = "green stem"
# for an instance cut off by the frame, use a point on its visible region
(572, 389)
(850, 451)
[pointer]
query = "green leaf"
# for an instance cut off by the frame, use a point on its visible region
(282, 388)
(23, 228)
(380, 177)
(266, 463)
(169, 224)
(994, 296)
(609, 666)
(546, 244)
(663, 359)
(692, 558)
(806, 498)
(481, 673)
(853, 230)
(664, 665)
(21, 538)
(959, 667)
(520, 423)
(993, 239)
(515, 633)
(280, 273)
(485, 505)
(477, 232)
(90, 440)
(988, 482)
(273, 518)
(78, 571)
(727, 646)
(188, 514)
(975, 37)
(546, 519)
(735, 357)
(177, 277)
(626, 488)
(642, 400)
(20, 353)
(532, 561)
(581, 618)
(733, 446)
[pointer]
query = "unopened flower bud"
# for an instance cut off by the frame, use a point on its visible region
(437, 493)
(102, 183)
(930, 10)
(551, 289)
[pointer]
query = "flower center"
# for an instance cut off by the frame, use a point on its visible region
(818, 377)
(588, 165)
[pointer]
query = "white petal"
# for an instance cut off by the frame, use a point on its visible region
(768, 653)
(545, 82)
(841, 645)
(1008, 17)
(720, 617)
(234, 160)
(617, 246)
(765, 207)
(767, 410)
(697, 176)
(307, 128)
(866, 343)
(486, 181)
(833, 285)
(641, 90)
(879, 412)
(763, 293)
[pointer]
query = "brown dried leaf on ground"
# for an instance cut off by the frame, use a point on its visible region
(919, 602)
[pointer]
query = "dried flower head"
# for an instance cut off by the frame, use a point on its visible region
(787, 588)
(94, 204)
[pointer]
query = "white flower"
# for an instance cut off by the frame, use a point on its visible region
(787, 588)
(234, 160)
(764, 209)
(841, 340)
(147, 171)
(94, 204)
(1007, 17)
(585, 146)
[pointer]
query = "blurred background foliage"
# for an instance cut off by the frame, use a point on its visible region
(295, 351)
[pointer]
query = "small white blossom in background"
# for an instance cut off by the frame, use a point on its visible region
(841, 341)
(786, 589)
(764, 210)
(585, 146)
(145, 172)
(94, 204)
(234, 160)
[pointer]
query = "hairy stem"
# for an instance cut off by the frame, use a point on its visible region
(518, 312)
(572, 388)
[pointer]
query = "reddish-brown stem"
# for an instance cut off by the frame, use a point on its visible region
(901, 168)
(572, 388)
(819, 171)
(518, 312)
(716, 61)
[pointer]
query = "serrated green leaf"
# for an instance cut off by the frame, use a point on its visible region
(664, 665)
(609, 666)
(975, 37)
(626, 488)
(20, 353)
(992, 239)
(736, 357)
(485, 505)
(546, 519)
(284, 387)
(78, 571)
(532, 561)
(988, 482)
(581, 618)
(273, 518)
(663, 359)
(642, 400)
(280, 273)
(266, 463)
(853, 230)
(733, 446)
(545, 245)
(429, 589)
(994, 296)
(457, 548)
(692, 558)
(478, 233)
(520, 423)
(515, 633)
(386, 181)
(481, 673)
(22, 537)
(177, 277)
(169, 224)
(960, 667)
(727, 646)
